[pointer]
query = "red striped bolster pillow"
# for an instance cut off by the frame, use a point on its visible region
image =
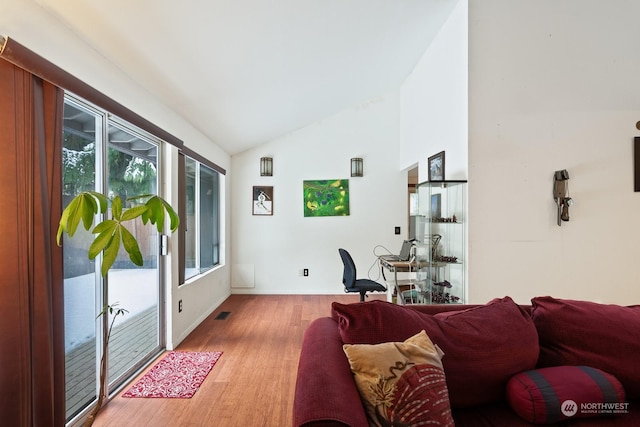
(550, 395)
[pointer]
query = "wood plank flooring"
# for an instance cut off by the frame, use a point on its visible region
(80, 363)
(253, 382)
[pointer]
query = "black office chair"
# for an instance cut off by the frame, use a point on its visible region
(351, 284)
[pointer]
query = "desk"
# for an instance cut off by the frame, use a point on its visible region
(415, 290)
(396, 266)
(404, 288)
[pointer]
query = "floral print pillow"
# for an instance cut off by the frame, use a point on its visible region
(401, 383)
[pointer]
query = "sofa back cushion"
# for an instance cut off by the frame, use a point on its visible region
(483, 346)
(603, 336)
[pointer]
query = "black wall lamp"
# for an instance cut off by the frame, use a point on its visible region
(357, 166)
(266, 166)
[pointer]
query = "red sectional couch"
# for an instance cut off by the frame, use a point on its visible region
(555, 361)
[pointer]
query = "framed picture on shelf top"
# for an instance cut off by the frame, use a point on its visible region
(436, 167)
(263, 200)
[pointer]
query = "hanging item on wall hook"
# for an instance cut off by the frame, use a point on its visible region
(561, 194)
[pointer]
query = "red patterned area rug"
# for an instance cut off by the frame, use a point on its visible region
(179, 375)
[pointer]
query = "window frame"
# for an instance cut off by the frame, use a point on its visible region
(184, 215)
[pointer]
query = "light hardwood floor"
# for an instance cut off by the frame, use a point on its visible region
(253, 382)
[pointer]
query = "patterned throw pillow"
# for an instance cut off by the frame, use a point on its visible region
(550, 395)
(401, 383)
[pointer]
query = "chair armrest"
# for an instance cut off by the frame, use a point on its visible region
(325, 393)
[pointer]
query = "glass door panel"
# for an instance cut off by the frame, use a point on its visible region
(81, 136)
(100, 154)
(132, 171)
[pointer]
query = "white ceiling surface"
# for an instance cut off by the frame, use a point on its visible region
(244, 72)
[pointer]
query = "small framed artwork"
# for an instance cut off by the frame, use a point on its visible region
(436, 209)
(262, 200)
(436, 167)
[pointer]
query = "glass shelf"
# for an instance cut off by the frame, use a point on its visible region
(441, 235)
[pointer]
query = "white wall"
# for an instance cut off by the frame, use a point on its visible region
(434, 101)
(553, 85)
(426, 115)
(36, 29)
(272, 250)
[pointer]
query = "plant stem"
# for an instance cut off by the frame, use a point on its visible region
(106, 335)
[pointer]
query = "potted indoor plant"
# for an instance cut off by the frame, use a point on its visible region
(112, 234)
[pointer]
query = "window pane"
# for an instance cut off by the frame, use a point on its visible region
(79, 171)
(208, 218)
(202, 239)
(191, 267)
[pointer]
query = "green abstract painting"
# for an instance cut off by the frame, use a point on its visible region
(326, 197)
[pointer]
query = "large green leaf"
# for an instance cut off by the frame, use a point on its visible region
(82, 207)
(88, 209)
(157, 218)
(173, 216)
(153, 206)
(105, 231)
(131, 246)
(110, 252)
(155, 214)
(102, 199)
(116, 208)
(65, 225)
(134, 212)
(158, 207)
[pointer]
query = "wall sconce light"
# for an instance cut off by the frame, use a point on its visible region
(266, 166)
(357, 166)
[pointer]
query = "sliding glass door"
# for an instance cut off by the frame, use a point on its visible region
(104, 154)
(132, 171)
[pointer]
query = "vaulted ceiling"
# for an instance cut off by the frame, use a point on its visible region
(244, 72)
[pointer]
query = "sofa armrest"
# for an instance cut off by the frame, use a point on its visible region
(325, 393)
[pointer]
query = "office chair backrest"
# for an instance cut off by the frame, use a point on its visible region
(349, 274)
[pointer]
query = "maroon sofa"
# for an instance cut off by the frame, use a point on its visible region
(487, 348)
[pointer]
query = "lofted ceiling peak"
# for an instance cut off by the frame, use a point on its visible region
(244, 72)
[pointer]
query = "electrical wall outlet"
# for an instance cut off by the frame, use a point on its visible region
(305, 272)
(180, 306)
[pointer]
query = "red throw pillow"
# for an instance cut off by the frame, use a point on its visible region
(483, 346)
(604, 336)
(550, 395)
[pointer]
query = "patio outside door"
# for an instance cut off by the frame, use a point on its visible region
(106, 155)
